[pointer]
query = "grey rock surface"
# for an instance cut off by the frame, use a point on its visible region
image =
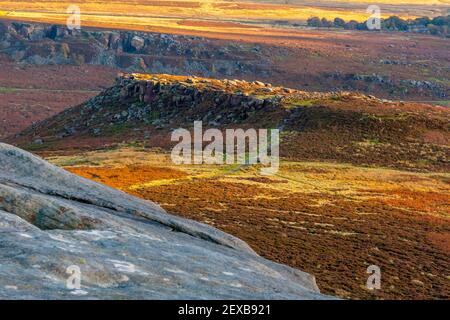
(125, 248)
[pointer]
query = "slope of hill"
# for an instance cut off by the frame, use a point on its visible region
(161, 13)
(124, 247)
(317, 214)
(158, 14)
(394, 65)
(335, 126)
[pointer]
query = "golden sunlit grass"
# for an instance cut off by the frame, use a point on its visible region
(328, 219)
(151, 15)
(416, 2)
(392, 2)
(131, 169)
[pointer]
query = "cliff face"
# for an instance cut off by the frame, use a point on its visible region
(124, 247)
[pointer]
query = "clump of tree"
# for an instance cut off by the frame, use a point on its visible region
(436, 26)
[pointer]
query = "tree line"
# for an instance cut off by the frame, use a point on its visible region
(435, 26)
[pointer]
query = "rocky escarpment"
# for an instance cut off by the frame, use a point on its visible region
(336, 126)
(125, 248)
(165, 101)
(299, 66)
(130, 51)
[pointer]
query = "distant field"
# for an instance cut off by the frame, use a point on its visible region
(151, 15)
(353, 2)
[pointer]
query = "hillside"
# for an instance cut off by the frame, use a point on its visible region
(410, 67)
(89, 181)
(335, 126)
(124, 247)
(172, 14)
(332, 209)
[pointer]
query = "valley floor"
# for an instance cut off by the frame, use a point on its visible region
(331, 220)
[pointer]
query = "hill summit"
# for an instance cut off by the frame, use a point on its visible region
(330, 126)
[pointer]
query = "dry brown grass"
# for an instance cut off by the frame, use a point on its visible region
(332, 220)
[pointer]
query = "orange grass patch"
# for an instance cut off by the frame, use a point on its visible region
(429, 202)
(440, 241)
(335, 240)
(123, 177)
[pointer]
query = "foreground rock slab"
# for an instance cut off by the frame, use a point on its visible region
(125, 248)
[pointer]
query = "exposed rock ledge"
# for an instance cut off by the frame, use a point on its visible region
(126, 248)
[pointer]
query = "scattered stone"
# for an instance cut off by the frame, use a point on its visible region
(38, 141)
(137, 43)
(97, 131)
(417, 282)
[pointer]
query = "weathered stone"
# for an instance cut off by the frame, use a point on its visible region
(137, 43)
(126, 248)
(38, 141)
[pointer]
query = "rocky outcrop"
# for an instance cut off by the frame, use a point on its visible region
(357, 128)
(125, 248)
(133, 51)
(129, 50)
(165, 101)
